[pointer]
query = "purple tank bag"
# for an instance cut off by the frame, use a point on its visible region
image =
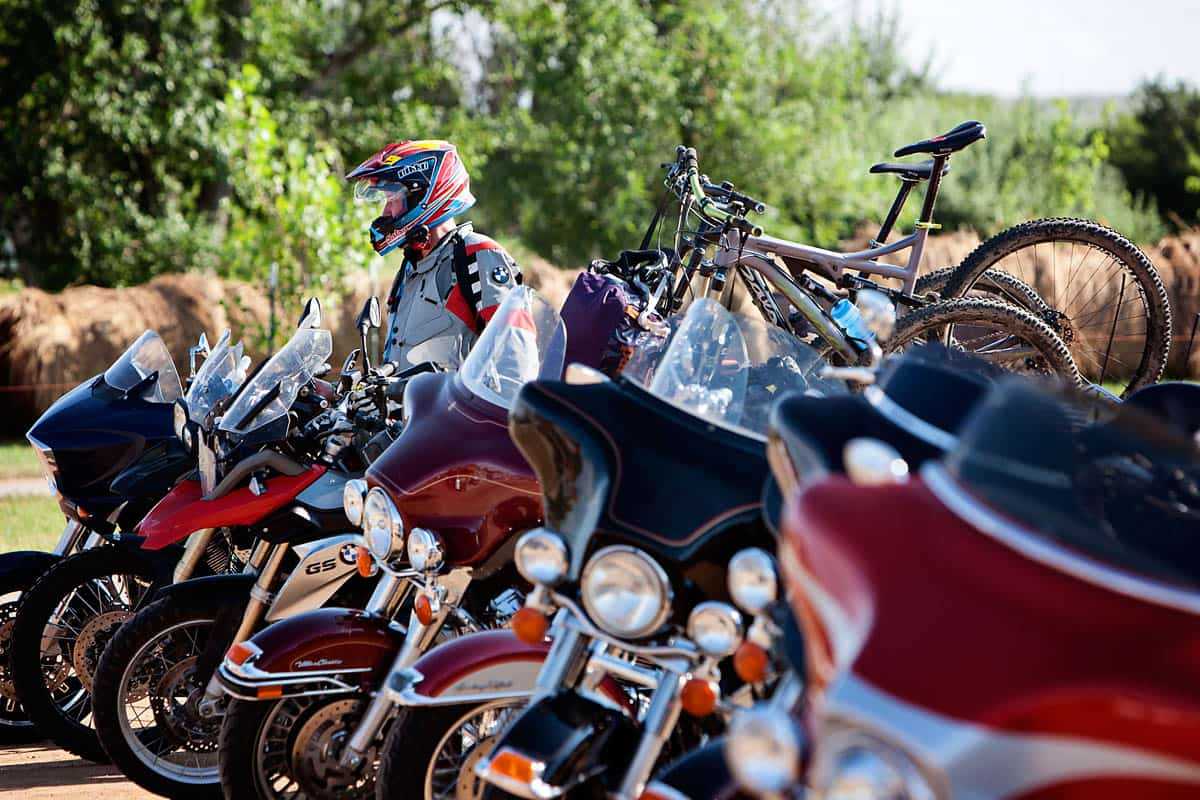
(595, 316)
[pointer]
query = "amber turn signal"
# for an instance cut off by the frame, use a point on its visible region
(424, 609)
(514, 766)
(364, 561)
(750, 662)
(269, 692)
(530, 625)
(699, 697)
(238, 654)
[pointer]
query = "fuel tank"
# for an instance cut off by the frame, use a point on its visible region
(455, 470)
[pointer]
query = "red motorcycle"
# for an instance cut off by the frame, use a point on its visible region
(1029, 630)
(440, 511)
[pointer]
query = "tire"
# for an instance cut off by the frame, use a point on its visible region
(62, 715)
(414, 739)
(15, 726)
(243, 771)
(145, 754)
(1078, 318)
(931, 321)
(996, 285)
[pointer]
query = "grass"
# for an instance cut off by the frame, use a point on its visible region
(17, 460)
(29, 523)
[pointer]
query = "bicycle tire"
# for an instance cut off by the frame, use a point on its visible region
(1132, 261)
(931, 319)
(997, 284)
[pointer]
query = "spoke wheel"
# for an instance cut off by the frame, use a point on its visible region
(299, 747)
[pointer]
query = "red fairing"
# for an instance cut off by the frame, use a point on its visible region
(184, 510)
(944, 624)
(455, 471)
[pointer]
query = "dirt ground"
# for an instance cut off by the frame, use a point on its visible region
(41, 772)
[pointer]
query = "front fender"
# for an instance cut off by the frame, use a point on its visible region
(329, 650)
(226, 589)
(20, 569)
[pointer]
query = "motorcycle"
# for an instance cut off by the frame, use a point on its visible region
(110, 453)
(1045, 496)
(443, 508)
(274, 464)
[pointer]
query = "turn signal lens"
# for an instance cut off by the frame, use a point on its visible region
(515, 766)
(424, 609)
(238, 654)
(699, 697)
(364, 561)
(750, 662)
(530, 625)
(269, 692)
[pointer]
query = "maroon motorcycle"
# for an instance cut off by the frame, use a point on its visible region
(440, 512)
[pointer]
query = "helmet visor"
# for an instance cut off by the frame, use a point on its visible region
(390, 196)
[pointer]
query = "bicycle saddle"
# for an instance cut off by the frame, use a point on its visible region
(949, 142)
(908, 172)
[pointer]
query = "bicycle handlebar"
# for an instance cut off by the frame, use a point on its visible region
(703, 191)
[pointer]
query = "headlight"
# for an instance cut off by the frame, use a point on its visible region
(541, 557)
(353, 498)
(716, 628)
(382, 527)
(180, 418)
(424, 550)
(763, 750)
(861, 766)
(626, 592)
(752, 582)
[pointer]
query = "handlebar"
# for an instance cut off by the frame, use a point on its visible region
(704, 192)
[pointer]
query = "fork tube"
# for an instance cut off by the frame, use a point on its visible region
(69, 539)
(661, 717)
(804, 303)
(260, 593)
(197, 543)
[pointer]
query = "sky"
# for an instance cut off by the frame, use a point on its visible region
(1047, 48)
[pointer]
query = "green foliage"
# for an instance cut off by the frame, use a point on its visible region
(139, 138)
(1157, 148)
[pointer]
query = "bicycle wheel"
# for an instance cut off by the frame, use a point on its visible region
(997, 332)
(1108, 303)
(994, 285)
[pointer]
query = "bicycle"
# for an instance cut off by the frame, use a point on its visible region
(1002, 332)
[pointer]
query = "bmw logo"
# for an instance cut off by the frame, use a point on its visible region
(348, 554)
(500, 274)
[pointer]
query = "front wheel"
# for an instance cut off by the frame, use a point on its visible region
(290, 748)
(19, 572)
(430, 754)
(147, 693)
(1001, 334)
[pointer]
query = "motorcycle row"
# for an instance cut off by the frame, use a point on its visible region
(631, 548)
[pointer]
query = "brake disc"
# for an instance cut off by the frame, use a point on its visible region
(91, 641)
(318, 747)
(184, 724)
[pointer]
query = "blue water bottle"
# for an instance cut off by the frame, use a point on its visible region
(848, 318)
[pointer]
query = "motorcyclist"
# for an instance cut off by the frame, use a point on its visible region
(451, 279)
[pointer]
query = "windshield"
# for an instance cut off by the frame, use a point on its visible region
(147, 356)
(273, 389)
(728, 369)
(220, 374)
(1111, 482)
(526, 340)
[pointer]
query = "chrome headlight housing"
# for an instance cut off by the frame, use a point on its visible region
(383, 529)
(851, 765)
(763, 750)
(354, 497)
(753, 584)
(541, 557)
(424, 549)
(716, 628)
(626, 592)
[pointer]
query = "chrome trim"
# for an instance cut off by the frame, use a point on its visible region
(400, 688)
(1036, 548)
(901, 417)
(668, 596)
(577, 620)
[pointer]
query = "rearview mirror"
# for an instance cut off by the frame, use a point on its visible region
(370, 316)
(201, 350)
(310, 317)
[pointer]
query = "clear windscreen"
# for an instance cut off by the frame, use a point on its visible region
(220, 374)
(524, 341)
(1111, 482)
(729, 369)
(273, 389)
(146, 356)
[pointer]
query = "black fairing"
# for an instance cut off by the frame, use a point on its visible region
(97, 435)
(618, 465)
(702, 774)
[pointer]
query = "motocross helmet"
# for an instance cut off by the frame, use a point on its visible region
(420, 185)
